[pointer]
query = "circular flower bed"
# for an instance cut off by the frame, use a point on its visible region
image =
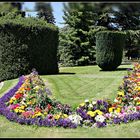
(30, 102)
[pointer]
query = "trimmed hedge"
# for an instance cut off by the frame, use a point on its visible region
(109, 49)
(27, 43)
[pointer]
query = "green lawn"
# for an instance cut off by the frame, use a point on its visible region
(73, 85)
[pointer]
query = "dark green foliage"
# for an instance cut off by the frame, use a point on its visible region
(109, 49)
(125, 15)
(132, 47)
(92, 33)
(45, 11)
(75, 47)
(23, 47)
(11, 7)
(132, 38)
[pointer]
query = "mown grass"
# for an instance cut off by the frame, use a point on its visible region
(73, 85)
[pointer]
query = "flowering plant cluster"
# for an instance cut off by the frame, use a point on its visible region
(124, 108)
(29, 103)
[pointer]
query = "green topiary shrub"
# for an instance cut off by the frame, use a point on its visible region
(27, 43)
(109, 49)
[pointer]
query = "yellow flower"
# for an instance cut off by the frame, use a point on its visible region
(121, 93)
(118, 110)
(111, 109)
(57, 116)
(138, 83)
(91, 113)
(82, 104)
(16, 110)
(45, 113)
(99, 112)
(65, 116)
(11, 101)
(22, 107)
(37, 114)
(138, 103)
(13, 98)
(138, 88)
(29, 103)
(20, 111)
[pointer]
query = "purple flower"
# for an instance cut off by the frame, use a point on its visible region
(116, 120)
(21, 120)
(100, 124)
(83, 114)
(125, 119)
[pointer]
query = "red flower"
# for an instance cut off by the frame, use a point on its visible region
(27, 114)
(114, 105)
(18, 95)
(49, 107)
(37, 109)
(28, 89)
(14, 106)
(137, 108)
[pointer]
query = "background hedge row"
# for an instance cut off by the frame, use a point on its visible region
(27, 43)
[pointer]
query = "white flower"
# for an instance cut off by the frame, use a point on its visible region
(115, 100)
(137, 98)
(93, 102)
(75, 118)
(134, 109)
(90, 106)
(71, 117)
(100, 118)
(36, 88)
(86, 101)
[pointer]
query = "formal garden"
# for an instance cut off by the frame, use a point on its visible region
(81, 81)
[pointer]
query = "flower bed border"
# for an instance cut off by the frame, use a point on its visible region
(11, 116)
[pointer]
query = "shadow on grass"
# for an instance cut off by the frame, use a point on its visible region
(60, 73)
(118, 69)
(123, 69)
(67, 73)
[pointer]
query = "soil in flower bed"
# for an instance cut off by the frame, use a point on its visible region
(30, 102)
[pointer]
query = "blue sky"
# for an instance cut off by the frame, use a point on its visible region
(57, 11)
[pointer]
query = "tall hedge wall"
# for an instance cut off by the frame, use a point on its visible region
(109, 49)
(27, 43)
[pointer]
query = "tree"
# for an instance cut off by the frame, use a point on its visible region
(45, 11)
(77, 42)
(86, 19)
(122, 16)
(14, 8)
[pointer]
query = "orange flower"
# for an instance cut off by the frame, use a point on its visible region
(28, 89)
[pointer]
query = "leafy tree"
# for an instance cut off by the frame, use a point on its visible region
(74, 40)
(45, 11)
